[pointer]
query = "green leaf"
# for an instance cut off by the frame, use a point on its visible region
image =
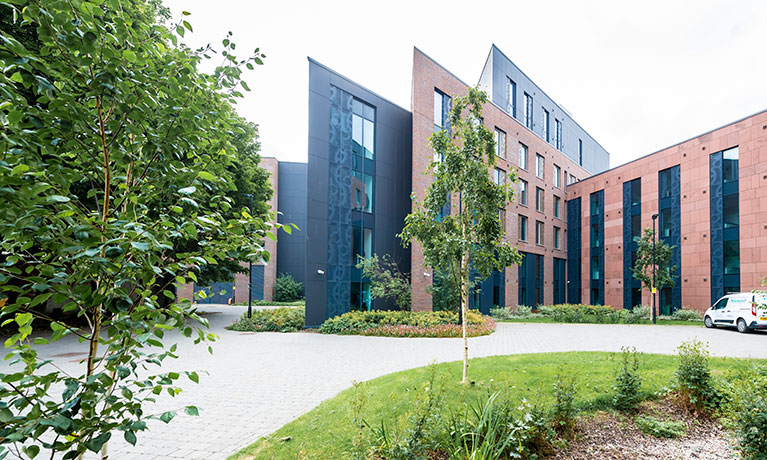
(19, 169)
(23, 319)
(58, 199)
(95, 444)
(188, 26)
(129, 56)
(192, 410)
(130, 437)
(187, 190)
(140, 245)
(167, 416)
(206, 175)
(5, 415)
(31, 451)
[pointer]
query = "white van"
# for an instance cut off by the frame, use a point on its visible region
(746, 311)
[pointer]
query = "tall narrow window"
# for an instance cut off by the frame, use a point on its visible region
(557, 172)
(528, 111)
(362, 186)
(523, 192)
(580, 152)
(511, 90)
(500, 176)
(572, 179)
(522, 228)
(540, 165)
(363, 129)
(522, 156)
(539, 199)
(730, 165)
(558, 134)
(556, 237)
(500, 143)
(439, 110)
(538, 232)
(545, 123)
(557, 204)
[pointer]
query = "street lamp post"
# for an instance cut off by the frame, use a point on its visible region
(250, 267)
(654, 263)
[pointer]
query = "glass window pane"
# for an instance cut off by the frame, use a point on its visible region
(523, 228)
(357, 134)
(556, 206)
(595, 236)
(522, 156)
(540, 165)
(523, 192)
(595, 268)
(367, 243)
(362, 185)
(665, 183)
(731, 257)
(636, 192)
(356, 243)
(731, 214)
(665, 223)
(356, 107)
(369, 112)
(369, 139)
(636, 227)
(730, 165)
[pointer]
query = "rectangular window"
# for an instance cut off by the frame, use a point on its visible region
(730, 165)
(363, 129)
(528, 111)
(523, 192)
(522, 156)
(636, 192)
(362, 243)
(665, 223)
(557, 203)
(538, 232)
(500, 143)
(596, 206)
(439, 110)
(731, 257)
(545, 123)
(362, 185)
(580, 152)
(502, 218)
(556, 237)
(595, 270)
(540, 166)
(557, 172)
(500, 176)
(664, 183)
(594, 235)
(730, 208)
(538, 199)
(522, 228)
(558, 133)
(636, 227)
(511, 89)
(572, 180)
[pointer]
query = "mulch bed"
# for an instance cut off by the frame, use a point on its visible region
(613, 436)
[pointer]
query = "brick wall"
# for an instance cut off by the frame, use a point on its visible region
(750, 135)
(428, 76)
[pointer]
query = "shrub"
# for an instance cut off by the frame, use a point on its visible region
(693, 375)
(661, 428)
(687, 315)
(563, 411)
(627, 381)
(282, 319)
(407, 324)
(287, 289)
(745, 408)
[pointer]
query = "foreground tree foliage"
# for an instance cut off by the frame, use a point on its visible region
(655, 256)
(114, 151)
(386, 280)
(471, 239)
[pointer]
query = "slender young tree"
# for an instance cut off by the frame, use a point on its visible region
(113, 149)
(660, 259)
(471, 238)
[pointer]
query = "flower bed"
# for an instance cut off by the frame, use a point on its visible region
(407, 324)
(273, 320)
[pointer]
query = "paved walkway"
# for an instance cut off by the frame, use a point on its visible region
(259, 381)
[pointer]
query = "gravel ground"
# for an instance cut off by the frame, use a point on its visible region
(611, 436)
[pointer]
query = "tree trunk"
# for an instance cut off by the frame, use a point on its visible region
(464, 313)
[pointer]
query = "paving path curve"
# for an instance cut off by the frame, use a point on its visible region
(256, 382)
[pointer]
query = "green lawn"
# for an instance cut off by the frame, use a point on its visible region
(545, 319)
(326, 431)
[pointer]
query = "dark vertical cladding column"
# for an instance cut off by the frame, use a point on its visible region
(574, 251)
(725, 223)
(717, 226)
(670, 232)
(291, 248)
(559, 280)
(597, 252)
(632, 231)
(352, 186)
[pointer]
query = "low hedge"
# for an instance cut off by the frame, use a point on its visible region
(284, 319)
(407, 324)
(578, 313)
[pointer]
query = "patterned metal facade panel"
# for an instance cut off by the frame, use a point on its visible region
(574, 251)
(675, 238)
(339, 203)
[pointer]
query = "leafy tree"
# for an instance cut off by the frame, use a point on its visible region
(643, 268)
(287, 289)
(113, 149)
(471, 238)
(386, 280)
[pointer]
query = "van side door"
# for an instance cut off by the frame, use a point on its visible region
(717, 311)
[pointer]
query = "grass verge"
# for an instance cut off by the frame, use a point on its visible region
(326, 432)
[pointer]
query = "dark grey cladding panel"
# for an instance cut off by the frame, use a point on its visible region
(291, 202)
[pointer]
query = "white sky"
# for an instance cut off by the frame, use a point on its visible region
(637, 76)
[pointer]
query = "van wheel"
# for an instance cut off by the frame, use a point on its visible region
(708, 322)
(742, 328)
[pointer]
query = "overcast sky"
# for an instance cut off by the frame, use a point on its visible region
(638, 76)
